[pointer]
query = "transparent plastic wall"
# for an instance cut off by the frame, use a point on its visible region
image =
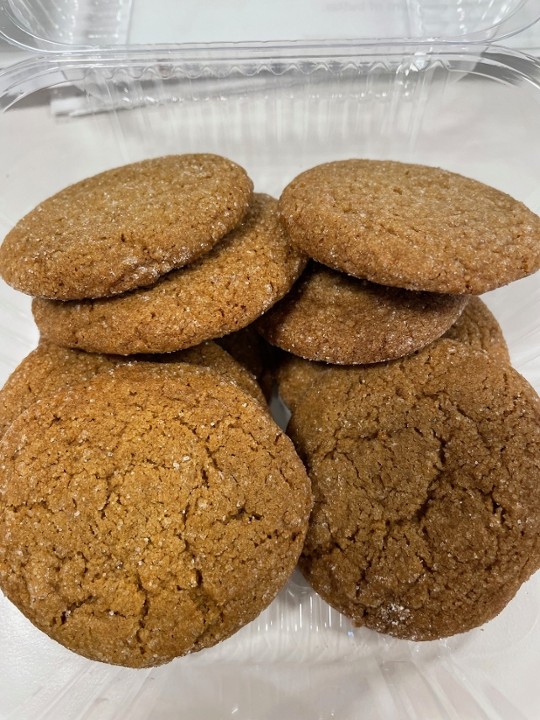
(67, 25)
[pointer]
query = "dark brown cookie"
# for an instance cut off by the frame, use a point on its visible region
(226, 290)
(411, 226)
(144, 517)
(50, 368)
(425, 473)
(124, 228)
(339, 319)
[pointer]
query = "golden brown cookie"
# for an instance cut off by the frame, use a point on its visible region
(124, 228)
(144, 517)
(222, 292)
(478, 328)
(411, 226)
(50, 368)
(426, 477)
(335, 318)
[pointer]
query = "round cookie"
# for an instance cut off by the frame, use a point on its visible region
(144, 517)
(478, 328)
(411, 226)
(125, 227)
(226, 290)
(50, 368)
(425, 473)
(335, 318)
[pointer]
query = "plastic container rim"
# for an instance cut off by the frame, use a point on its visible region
(14, 33)
(305, 57)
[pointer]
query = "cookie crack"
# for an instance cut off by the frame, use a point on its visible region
(145, 610)
(415, 517)
(72, 607)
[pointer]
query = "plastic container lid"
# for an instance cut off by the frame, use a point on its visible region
(86, 25)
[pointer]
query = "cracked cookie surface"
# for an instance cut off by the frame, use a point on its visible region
(249, 271)
(335, 318)
(425, 475)
(144, 517)
(125, 227)
(411, 226)
(50, 368)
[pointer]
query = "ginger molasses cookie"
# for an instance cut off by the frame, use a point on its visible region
(425, 473)
(50, 368)
(478, 328)
(339, 319)
(250, 270)
(125, 227)
(411, 226)
(144, 517)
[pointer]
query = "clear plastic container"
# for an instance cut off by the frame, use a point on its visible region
(75, 25)
(277, 111)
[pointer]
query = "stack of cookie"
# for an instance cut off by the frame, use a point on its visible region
(396, 252)
(423, 453)
(149, 505)
(151, 257)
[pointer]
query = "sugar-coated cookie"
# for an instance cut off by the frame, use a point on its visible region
(125, 227)
(425, 473)
(336, 318)
(411, 226)
(249, 271)
(50, 368)
(145, 516)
